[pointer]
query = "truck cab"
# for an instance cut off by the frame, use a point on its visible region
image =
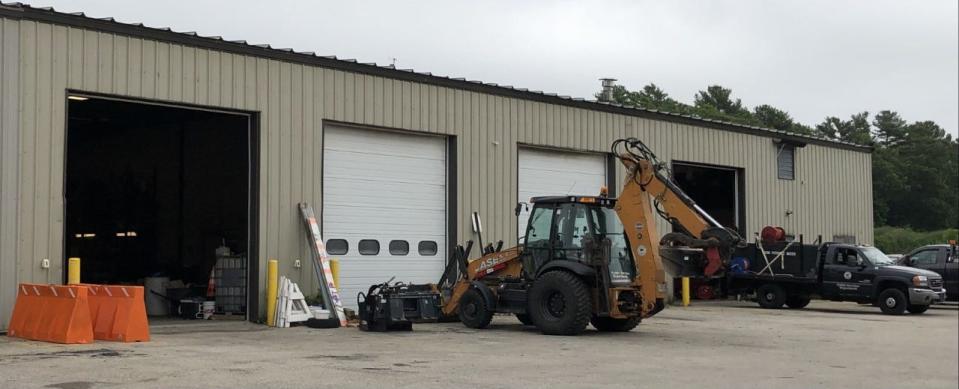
(864, 274)
(940, 258)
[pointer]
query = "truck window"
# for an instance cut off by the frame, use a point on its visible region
(924, 257)
(845, 257)
(876, 257)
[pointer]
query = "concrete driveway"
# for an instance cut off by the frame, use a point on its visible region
(716, 345)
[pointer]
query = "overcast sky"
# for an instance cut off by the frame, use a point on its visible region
(812, 58)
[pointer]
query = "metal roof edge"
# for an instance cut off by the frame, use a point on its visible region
(49, 15)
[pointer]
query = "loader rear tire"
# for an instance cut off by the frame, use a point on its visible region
(608, 324)
(473, 311)
(559, 304)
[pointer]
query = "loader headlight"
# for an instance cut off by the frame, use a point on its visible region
(920, 281)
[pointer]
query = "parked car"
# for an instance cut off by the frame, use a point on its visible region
(940, 258)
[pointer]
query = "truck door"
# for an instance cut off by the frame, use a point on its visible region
(864, 275)
(950, 276)
(839, 274)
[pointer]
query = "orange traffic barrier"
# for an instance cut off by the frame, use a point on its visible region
(118, 313)
(52, 313)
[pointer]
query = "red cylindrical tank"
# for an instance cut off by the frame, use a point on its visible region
(772, 234)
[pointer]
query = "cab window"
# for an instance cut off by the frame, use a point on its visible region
(924, 257)
(570, 225)
(845, 257)
(537, 233)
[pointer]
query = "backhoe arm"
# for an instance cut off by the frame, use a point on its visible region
(647, 189)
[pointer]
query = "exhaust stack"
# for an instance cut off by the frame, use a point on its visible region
(608, 84)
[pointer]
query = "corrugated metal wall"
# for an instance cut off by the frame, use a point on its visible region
(831, 193)
(9, 163)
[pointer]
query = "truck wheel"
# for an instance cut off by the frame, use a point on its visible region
(892, 301)
(559, 304)
(771, 296)
(609, 324)
(797, 301)
(524, 318)
(917, 309)
(473, 310)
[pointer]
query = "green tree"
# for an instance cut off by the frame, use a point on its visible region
(773, 117)
(855, 130)
(890, 128)
(924, 172)
(720, 99)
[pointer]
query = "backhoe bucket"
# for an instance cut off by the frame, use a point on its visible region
(683, 261)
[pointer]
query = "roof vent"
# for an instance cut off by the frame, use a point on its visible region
(608, 85)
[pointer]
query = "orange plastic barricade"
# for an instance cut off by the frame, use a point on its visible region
(118, 313)
(51, 313)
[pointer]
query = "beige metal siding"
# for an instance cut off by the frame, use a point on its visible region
(831, 195)
(9, 164)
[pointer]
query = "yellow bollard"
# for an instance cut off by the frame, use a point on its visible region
(73, 271)
(335, 269)
(272, 279)
(685, 291)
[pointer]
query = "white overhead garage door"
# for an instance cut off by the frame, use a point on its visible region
(384, 207)
(557, 173)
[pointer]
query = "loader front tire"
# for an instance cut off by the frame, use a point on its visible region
(559, 304)
(473, 311)
(608, 324)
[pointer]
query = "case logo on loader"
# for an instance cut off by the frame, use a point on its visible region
(490, 265)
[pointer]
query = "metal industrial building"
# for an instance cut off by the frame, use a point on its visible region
(394, 161)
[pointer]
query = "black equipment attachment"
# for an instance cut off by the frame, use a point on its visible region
(395, 307)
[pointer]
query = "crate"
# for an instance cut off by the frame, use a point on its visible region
(229, 276)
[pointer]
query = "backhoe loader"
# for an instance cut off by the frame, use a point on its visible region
(587, 259)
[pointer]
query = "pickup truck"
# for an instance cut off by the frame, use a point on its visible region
(840, 272)
(940, 258)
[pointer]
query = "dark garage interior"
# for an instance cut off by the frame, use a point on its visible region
(715, 189)
(154, 191)
(718, 191)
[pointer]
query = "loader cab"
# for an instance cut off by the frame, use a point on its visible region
(581, 229)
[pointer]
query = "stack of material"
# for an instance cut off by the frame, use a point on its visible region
(229, 275)
(291, 305)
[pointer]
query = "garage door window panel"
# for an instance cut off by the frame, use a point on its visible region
(399, 247)
(337, 247)
(427, 248)
(368, 247)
